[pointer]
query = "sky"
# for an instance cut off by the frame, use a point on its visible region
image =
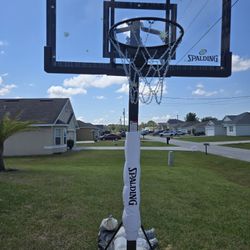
(102, 99)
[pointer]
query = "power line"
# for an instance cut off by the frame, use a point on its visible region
(215, 103)
(197, 15)
(208, 98)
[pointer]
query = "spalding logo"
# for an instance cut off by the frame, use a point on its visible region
(202, 57)
(203, 52)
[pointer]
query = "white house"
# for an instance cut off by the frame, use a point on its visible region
(214, 128)
(54, 124)
(87, 131)
(237, 125)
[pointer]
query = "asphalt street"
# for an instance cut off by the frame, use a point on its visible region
(213, 148)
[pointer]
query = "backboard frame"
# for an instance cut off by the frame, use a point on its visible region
(51, 65)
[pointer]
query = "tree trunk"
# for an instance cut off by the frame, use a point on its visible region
(2, 166)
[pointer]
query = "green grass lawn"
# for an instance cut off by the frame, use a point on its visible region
(120, 143)
(213, 138)
(239, 145)
(58, 202)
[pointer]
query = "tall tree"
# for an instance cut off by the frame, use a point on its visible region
(8, 127)
(191, 117)
(209, 118)
(152, 124)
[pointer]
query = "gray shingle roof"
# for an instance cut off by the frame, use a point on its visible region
(243, 118)
(215, 122)
(82, 124)
(43, 111)
(174, 121)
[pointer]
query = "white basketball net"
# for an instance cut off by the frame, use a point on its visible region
(151, 72)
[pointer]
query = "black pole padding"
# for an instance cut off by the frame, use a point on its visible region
(131, 245)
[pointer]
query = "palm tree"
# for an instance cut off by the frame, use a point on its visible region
(8, 127)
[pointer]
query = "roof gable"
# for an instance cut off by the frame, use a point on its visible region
(43, 111)
(229, 118)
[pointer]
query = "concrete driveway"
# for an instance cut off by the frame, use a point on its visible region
(213, 148)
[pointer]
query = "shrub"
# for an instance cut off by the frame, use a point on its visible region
(70, 143)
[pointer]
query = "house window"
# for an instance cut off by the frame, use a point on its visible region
(58, 136)
(231, 129)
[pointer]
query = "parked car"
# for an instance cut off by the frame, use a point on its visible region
(179, 132)
(157, 132)
(110, 137)
(122, 134)
(167, 133)
(144, 132)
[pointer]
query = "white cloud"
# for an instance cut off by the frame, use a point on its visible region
(58, 91)
(6, 89)
(200, 91)
(87, 81)
(163, 118)
(124, 89)
(119, 97)
(3, 43)
(240, 64)
(2, 76)
(79, 84)
(81, 118)
(101, 97)
(199, 85)
(100, 121)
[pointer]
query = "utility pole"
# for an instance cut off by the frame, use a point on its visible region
(124, 126)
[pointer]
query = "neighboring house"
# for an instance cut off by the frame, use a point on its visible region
(102, 128)
(199, 128)
(237, 125)
(170, 124)
(214, 128)
(173, 124)
(162, 126)
(186, 127)
(54, 124)
(87, 131)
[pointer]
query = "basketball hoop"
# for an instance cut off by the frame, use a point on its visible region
(145, 46)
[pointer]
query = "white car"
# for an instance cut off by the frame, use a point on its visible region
(167, 133)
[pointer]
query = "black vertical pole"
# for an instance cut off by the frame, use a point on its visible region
(133, 102)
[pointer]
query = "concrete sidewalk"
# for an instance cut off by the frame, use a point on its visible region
(213, 148)
(142, 148)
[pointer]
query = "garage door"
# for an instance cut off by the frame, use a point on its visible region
(209, 131)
